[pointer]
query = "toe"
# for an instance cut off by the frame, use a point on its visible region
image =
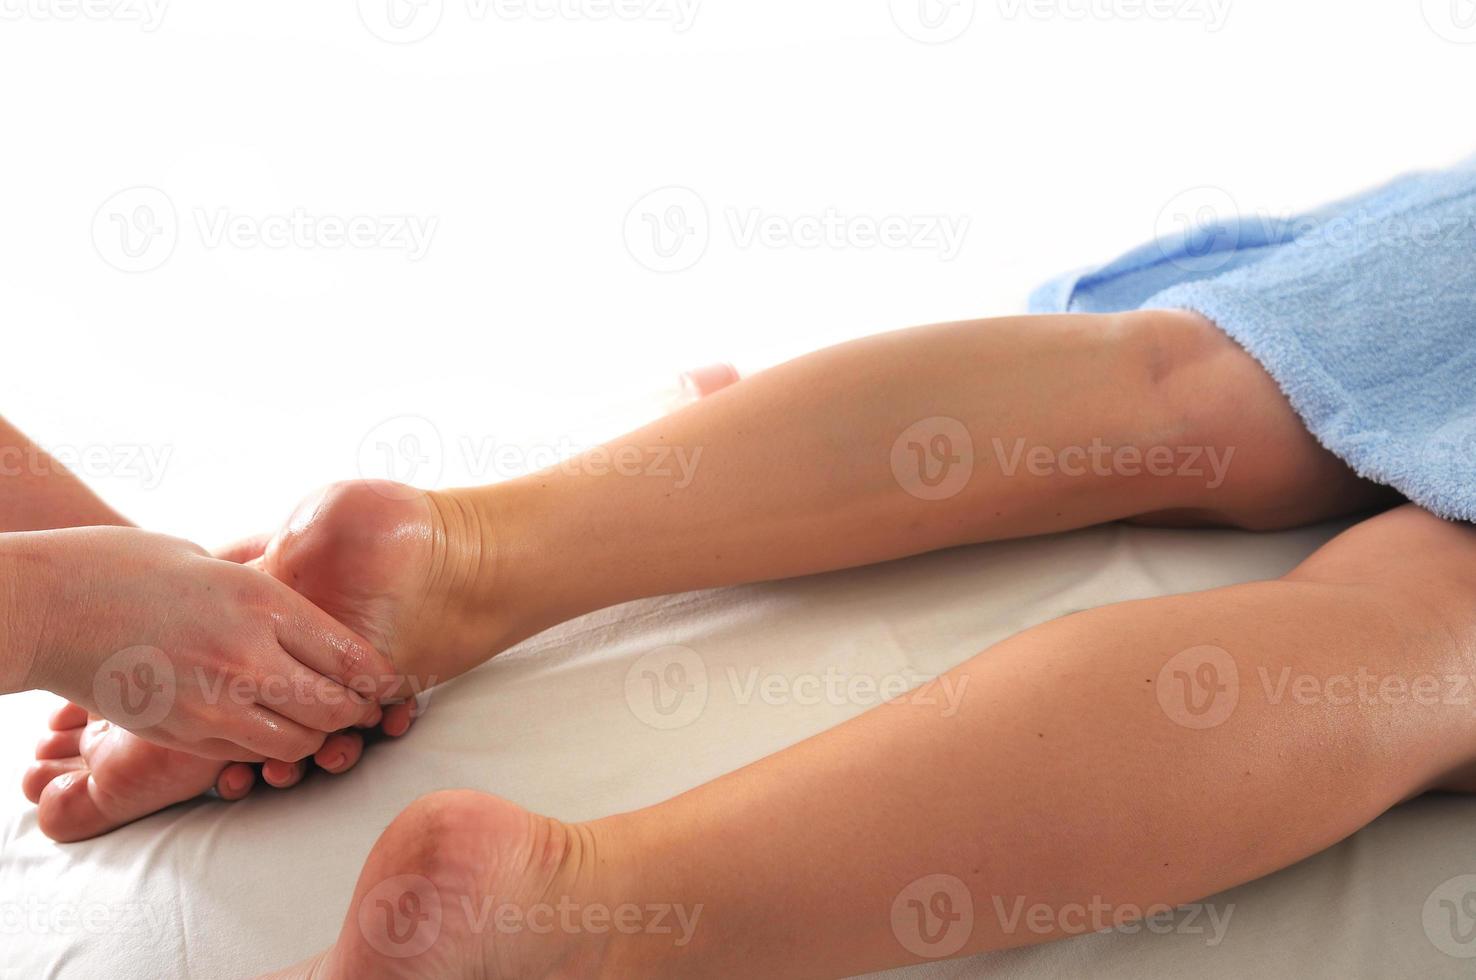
(67, 810)
(60, 745)
(283, 775)
(41, 773)
(235, 781)
(398, 718)
(341, 752)
(68, 716)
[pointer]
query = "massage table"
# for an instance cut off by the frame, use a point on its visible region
(557, 724)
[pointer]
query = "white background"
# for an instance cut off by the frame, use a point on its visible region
(528, 136)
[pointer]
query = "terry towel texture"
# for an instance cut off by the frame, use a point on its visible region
(1363, 311)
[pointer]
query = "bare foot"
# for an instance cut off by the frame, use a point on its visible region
(91, 777)
(464, 884)
(408, 568)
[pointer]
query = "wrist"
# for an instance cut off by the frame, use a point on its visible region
(27, 578)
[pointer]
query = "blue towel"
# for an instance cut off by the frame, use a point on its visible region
(1363, 311)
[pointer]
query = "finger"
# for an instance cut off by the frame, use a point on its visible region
(41, 773)
(321, 643)
(219, 748)
(243, 551)
(67, 716)
(283, 775)
(60, 745)
(398, 718)
(260, 730)
(341, 752)
(312, 700)
(235, 781)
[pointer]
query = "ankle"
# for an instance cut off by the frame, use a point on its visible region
(661, 926)
(517, 564)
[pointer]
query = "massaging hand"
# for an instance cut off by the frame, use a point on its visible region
(191, 652)
(342, 750)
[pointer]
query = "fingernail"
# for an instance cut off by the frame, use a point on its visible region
(335, 762)
(235, 781)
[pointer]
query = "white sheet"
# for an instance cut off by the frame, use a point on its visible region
(210, 889)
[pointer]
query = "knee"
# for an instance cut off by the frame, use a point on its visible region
(1412, 557)
(1271, 473)
(1198, 397)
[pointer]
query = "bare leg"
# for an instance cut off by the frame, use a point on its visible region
(1075, 774)
(872, 450)
(807, 467)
